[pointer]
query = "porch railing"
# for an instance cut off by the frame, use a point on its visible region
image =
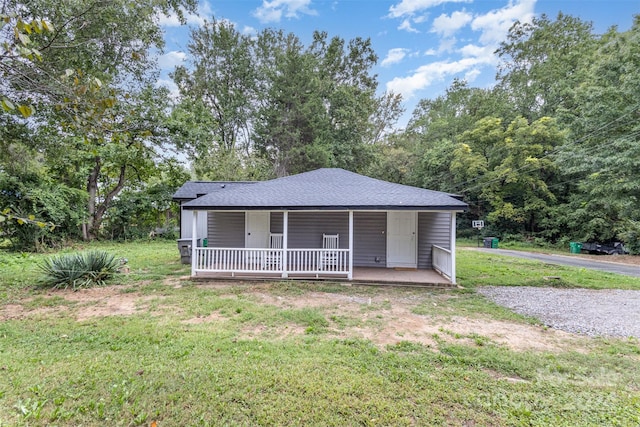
(441, 260)
(283, 261)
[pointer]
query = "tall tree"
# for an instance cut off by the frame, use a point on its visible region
(542, 63)
(88, 83)
(604, 157)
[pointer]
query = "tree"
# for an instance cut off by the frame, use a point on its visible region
(518, 169)
(248, 102)
(603, 159)
(542, 63)
(91, 86)
(219, 90)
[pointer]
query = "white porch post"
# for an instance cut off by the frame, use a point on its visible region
(285, 243)
(453, 248)
(350, 274)
(194, 241)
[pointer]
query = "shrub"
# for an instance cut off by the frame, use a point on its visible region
(80, 270)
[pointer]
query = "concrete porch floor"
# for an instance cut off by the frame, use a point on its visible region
(361, 275)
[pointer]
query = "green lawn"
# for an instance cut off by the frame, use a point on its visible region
(194, 354)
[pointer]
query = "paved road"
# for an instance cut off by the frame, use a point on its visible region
(611, 267)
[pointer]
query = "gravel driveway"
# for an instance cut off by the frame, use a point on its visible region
(609, 312)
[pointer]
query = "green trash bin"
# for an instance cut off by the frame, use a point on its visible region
(494, 243)
(205, 243)
(575, 247)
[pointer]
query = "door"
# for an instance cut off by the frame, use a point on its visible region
(402, 244)
(257, 225)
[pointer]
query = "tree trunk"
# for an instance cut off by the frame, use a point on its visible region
(97, 210)
(92, 188)
(102, 208)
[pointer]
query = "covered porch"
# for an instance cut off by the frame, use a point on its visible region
(405, 246)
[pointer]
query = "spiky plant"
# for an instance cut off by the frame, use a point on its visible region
(79, 270)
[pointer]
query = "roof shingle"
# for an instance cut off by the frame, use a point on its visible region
(322, 189)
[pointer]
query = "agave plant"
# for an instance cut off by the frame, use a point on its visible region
(80, 270)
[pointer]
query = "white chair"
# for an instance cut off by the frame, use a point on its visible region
(329, 258)
(273, 259)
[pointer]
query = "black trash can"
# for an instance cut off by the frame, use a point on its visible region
(487, 242)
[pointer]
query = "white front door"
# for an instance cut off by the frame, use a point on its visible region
(402, 245)
(257, 225)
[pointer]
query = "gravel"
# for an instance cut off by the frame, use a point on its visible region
(610, 312)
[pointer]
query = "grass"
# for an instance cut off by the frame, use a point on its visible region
(477, 268)
(259, 363)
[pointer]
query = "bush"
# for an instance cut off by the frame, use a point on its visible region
(80, 270)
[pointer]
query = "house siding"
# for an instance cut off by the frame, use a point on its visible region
(226, 229)
(306, 228)
(369, 239)
(186, 223)
(433, 229)
(276, 222)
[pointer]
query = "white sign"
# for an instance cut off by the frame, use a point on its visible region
(477, 223)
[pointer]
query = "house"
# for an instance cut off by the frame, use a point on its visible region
(323, 223)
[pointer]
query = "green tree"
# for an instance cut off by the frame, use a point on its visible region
(603, 160)
(542, 63)
(91, 85)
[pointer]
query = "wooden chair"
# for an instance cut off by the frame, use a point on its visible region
(273, 259)
(328, 258)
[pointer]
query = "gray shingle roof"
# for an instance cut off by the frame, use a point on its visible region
(324, 189)
(193, 189)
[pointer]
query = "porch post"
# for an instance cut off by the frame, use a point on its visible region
(194, 241)
(285, 243)
(350, 274)
(453, 248)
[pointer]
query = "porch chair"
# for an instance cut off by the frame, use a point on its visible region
(329, 259)
(273, 259)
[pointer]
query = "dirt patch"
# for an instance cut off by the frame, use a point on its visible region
(387, 319)
(384, 316)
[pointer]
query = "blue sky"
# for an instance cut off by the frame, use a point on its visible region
(422, 45)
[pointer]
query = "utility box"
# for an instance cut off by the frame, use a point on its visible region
(184, 246)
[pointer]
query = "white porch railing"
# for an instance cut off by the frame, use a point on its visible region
(298, 261)
(441, 261)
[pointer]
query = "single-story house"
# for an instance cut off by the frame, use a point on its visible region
(323, 223)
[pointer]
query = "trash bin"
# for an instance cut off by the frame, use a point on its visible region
(487, 242)
(205, 243)
(494, 243)
(575, 247)
(184, 246)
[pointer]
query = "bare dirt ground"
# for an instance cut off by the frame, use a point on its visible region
(385, 316)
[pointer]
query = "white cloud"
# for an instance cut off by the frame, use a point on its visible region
(409, 7)
(272, 11)
(174, 92)
(474, 58)
(248, 31)
(472, 74)
(170, 60)
(495, 25)
(446, 26)
(394, 56)
(406, 25)
(431, 73)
